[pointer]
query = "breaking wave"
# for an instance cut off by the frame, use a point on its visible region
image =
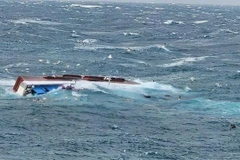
(35, 21)
(85, 6)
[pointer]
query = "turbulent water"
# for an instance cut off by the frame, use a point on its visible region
(185, 57)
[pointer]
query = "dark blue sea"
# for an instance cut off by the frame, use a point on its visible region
(185, 57)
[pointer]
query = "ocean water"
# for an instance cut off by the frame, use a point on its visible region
(186, 57)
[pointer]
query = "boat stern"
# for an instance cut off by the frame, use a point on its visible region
(20, 87)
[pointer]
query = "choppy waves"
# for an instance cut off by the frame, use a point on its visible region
(184, 57)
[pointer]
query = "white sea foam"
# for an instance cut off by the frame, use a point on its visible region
(7, 82)
(157, 8)
(200, 22)
(123, 90)
(160, 87)
(183, 61)
(76, 94)
(163, 47)
(88, 85)
(130, 34)
(224, 31)
(126, 89)
(89, 44)
(34, 21)
(173, 22)
(187, 89)
(228, 31)
(94, 33)
(88, 41)
(85, 6)
(74, 34)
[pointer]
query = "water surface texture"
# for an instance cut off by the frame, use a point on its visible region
(185, 57)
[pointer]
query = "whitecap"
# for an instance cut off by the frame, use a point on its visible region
(183, 61)
(187, 89)
(88, 41)
(218, 85)
(74, 34)
(6, 69)
(163, 47)
(200, 22)
(171, 22)
(130, 34)
(85, 6)
(34, 21)
(58, 62)
(192, 79)
(157, 8)
(228, 31)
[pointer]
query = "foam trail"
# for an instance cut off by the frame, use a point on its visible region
(183, 61)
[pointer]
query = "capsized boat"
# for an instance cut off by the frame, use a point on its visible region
(28, 85)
